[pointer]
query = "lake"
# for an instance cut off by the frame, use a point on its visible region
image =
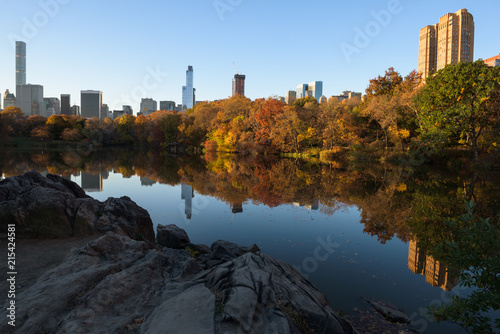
(344, 226)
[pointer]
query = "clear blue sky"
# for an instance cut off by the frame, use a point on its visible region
(112, 45)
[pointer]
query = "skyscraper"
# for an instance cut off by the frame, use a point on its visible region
(91, 101)
(316, 89)
(65, 104)
(450, 41)
(20, 63)
(188, 90)
(148, 106)
(302, 91)
(167, 105)
(239, 84)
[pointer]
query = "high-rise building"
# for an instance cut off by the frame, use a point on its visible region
(148, 106)
(302, 90)
(323, 99)
(187, 195)
(450, 41)
(316, 89)
(291, 96)
(167, 105)
(91, 101)
(104, 111)
(9, 100)
(30, 99)
(52, 106)
(493, 61)
(20, 63)
(75, 110)
(239, 84)
(188, 95)
(65, 104)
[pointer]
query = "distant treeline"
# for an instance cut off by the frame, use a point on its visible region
(459, 106)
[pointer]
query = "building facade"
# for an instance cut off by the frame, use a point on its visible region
(450, 41)
(291, 96)
(188, 91)
(30, 99)
(65, 104)
(167, 105)
(91, 104)
(316, 89)
(493, 61)
(20, 63)
(75, 110)
(9, 99)
(52, 106)
(301, 91)
(148, 106)
(239, 84)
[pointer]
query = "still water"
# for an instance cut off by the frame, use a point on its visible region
(343, 226)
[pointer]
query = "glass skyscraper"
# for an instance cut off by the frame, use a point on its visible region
(188, 90)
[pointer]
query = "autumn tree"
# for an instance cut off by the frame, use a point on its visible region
(459, 103)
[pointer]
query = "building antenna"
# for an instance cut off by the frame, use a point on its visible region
(234, 64)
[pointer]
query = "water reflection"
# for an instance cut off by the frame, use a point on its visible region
(393, 201)
(436, 273)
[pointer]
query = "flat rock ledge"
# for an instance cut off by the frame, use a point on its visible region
(124, 282)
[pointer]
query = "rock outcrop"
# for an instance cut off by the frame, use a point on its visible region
(53, 207)
(116, 284)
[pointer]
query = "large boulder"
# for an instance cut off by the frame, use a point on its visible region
(172, 236)
(53, 207)
(118, 285)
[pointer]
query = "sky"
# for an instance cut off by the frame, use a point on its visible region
(134, 49)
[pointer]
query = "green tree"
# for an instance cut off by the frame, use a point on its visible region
(474, 251)
(459, 103)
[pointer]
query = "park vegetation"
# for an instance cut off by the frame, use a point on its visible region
(457, 108)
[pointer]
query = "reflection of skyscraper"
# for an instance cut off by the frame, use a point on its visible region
(187, 195)
(146, 181)
(314, 205)
(91, 182)
(436, 273)
(237, 207)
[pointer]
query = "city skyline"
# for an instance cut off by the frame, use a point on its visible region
(66, 54)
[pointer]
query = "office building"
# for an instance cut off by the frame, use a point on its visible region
(239, 84)
(65, 104)
(30, 99)
(91, 101)
(52, 106)
(167, 105)
(493, 61)
(188, 91)
(315, 89)
(127, 110)
(450, 41)
(148, 106)
(291, 96)
(323, 99)
(75, 110)
(104, 111)
(301, 91)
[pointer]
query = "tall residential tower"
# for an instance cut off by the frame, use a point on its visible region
(188, 90)
(450, 41)
(239, 84)
(20, 63)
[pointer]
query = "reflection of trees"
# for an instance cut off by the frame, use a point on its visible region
(393, 201)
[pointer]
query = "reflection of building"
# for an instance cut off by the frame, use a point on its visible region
(436, 273)
(310, 206)
(146, 181)
(237, 207)
(187, 195)
(91, 182)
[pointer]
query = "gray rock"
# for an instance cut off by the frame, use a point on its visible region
(172, 236)
(225, 250)
(53, 207)
(392, 314)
